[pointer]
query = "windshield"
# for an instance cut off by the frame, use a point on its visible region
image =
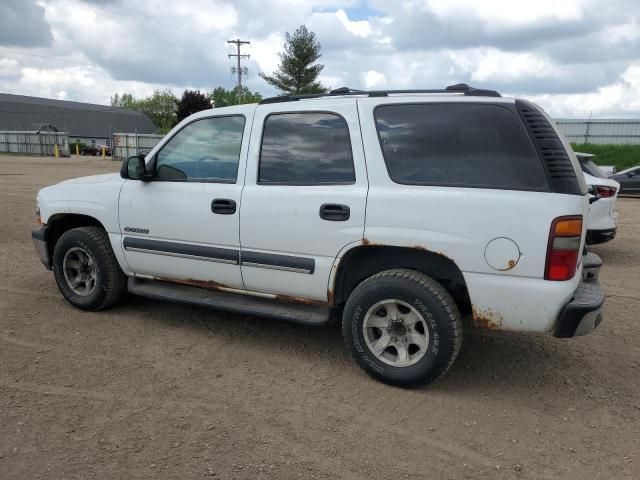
(592, 169)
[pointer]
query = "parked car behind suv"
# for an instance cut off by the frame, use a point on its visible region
(629, 180)
(408, 216)
(602, 222)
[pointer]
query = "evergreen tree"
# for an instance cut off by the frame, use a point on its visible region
(297, 72)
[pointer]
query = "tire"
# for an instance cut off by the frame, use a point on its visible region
(86, 253)
(412, 295)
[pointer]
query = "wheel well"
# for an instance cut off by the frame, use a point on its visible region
(63, 222)
(362, 262)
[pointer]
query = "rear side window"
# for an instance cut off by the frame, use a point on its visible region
(463, 145)
(306, 149)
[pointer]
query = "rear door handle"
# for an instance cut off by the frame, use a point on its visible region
(223, 206)
(334, 212)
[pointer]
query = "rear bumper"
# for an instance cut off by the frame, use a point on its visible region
(600, 236)
(583, 313)
(40, 237)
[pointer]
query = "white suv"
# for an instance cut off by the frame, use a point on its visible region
(407, 215)
(602, 222)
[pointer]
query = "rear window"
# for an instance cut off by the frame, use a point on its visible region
(592, 169)
(462, 145)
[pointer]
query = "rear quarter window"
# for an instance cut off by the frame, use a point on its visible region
(458, 145)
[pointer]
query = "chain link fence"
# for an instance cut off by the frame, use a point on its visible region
(601, 132)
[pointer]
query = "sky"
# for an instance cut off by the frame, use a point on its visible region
(575, 58)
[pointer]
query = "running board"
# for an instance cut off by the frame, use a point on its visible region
(314, 314)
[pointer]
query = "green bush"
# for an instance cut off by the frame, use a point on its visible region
(620, 156)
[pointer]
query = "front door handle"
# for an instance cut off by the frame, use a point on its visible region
(334, 212)
(223, 206)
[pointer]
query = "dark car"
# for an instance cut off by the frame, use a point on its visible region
(629, 180)
(95, 150)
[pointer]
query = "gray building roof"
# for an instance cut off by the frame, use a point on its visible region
(19, 112)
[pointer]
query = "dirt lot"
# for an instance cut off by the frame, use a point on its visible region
(156, 390)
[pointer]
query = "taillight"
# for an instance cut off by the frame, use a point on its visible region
(564, 248)
(605, 192)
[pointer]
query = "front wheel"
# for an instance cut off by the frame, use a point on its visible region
(86, 270)
(402, 327)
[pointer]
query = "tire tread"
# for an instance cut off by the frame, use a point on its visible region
(115, 281)
(438, 292)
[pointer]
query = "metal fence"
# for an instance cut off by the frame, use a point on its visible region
(616, 132)
(128, 144)
(34, 143)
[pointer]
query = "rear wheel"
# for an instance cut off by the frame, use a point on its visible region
(86, 270)
(402, 327)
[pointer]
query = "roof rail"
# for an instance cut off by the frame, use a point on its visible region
(461, 88)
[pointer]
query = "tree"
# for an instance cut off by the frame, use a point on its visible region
(192, 101)
(160, 107)
(126, 100)
(297, 72)
(221, 97)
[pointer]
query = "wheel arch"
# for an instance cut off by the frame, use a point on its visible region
(60, 223)
(363, 261)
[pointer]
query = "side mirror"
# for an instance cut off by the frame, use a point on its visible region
(134, 168)
(631, 174)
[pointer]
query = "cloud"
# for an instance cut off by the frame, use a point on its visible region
(574, 56)
(22, 24)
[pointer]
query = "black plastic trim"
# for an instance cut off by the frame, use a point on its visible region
(256, 259)
(278, 261)
(587, 298)
(304, 312)
(595, 237)
(161, 246)
(40, 237)
(550, 149)
(462, 88)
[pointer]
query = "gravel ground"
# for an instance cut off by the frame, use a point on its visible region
(157, 390)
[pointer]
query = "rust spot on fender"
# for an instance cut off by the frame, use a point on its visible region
(511, 264)
(487, 319)
(330, 296)
(418, 247)
(303, 301)
(365, 241)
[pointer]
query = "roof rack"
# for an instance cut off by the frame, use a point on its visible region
(461, 88)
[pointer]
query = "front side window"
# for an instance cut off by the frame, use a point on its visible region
(458, 144)
(306, 149)
(207, 150)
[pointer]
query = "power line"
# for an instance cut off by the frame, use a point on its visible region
(237, 42)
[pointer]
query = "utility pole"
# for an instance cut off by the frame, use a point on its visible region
(237, 42)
